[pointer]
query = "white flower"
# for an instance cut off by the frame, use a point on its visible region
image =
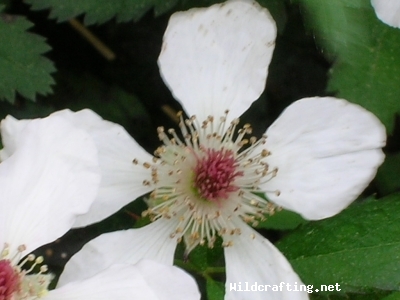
(315, 159)
(388, 11)
(48, 175)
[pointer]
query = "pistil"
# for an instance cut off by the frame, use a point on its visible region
(208, 181)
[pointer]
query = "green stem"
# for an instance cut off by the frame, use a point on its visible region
(191, 267)
(215, 270)
(186, 265)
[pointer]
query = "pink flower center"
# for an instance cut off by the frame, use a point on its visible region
(215, 174)
(9, 280)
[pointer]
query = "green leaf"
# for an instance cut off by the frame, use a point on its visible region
(199, 258)
(372, 77)
(101, 11)
(369, 296)
(358, 249)
(207, 263)
(340, 27)
(393, 296)
(22, 67)
(215, 290)
(206, 260)
(366, 53)
(282, 220)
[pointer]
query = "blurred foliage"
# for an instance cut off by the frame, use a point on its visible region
(335, 47)
(387, 179)
(393, 296)
(365, 52)
(95, 12)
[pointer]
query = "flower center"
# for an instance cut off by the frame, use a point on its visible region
(9, 280)
(20, 284)
(215, 174)
(207, 182)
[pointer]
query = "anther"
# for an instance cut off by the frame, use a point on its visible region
(43, 269)
(227, 244)
(265, 153)
(235, 121)
(6, 251)
(21, 248)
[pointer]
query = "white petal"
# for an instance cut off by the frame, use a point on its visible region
(122, 181)
(327, 151)
(388, 11)
(10, 132)
(217, 58)
(128, 246)
(167, 282)
(253, 259)
(145, 280)
(49, 178)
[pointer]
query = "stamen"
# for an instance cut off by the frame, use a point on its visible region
(5, 251)
(38, 261)
(206, 181)
(14, 280)
(30, 257)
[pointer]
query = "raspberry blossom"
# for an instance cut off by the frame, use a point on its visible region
(48, 175)
(205, 180)
(388, 11)
(36, 206)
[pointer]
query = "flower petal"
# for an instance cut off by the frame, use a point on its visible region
(145, 280)
(127, 246)
(388, 11)
(11, 129)
(327, 151)
(252, 259)
(217, 58)
(49, 176)
(122, 180)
